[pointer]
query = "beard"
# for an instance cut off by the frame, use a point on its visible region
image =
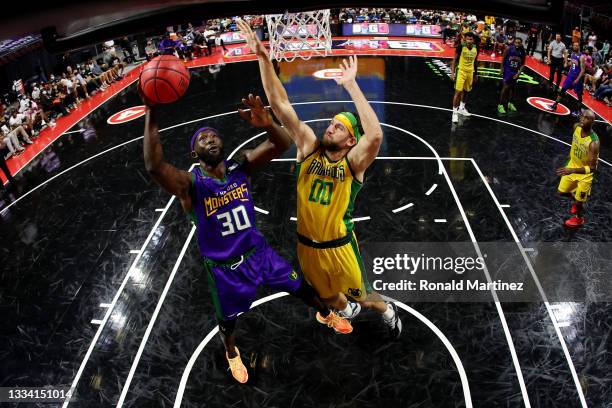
(332, 147)
(211, 159)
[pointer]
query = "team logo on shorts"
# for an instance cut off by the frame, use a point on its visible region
(293, 275)
(356, 293)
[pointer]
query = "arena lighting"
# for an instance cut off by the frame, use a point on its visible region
(66, 25)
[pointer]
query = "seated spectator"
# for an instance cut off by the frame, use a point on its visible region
(167, 46)
(151, 50)
(9, 141)
(19, 120)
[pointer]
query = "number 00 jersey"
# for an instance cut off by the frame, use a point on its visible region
(326, 192)
(224, 213)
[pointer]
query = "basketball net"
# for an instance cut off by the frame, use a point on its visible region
(302, 35)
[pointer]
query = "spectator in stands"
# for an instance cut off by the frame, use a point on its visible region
(126, 48)
(532, 39)
(9, 141)
(604, 92)
(592, 40)
(500, 43)
(605, 49)
(21, 120)
(557, 57)
(151, 50)
(545, 38)
(576, 36)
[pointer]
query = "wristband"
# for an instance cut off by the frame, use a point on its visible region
(587, 169)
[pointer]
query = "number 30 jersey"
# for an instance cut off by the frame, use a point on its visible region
(224, 213)
(326, 192)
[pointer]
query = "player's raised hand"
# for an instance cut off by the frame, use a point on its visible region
(251, 38)
(349, 70)
(257, 114)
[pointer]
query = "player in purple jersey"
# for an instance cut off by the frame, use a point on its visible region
(574, 79)
(217, 195)
(513, 63)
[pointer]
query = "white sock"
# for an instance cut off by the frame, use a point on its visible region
(455, 109)
(388, 315)
(461, 105)
(347, 310)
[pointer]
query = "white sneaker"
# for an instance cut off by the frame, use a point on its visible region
(464, 112)
(355, 309)
(455, 118)
(394, 325)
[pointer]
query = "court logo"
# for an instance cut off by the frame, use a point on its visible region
(545, 104)
(126, 115)
(329, 73)
(293, 275)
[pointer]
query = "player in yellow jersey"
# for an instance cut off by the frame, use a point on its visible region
(577, 175)
(330, 173)
(465, 61)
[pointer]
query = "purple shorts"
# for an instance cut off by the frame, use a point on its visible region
(233, 285)
(578, 88)
(509, 77)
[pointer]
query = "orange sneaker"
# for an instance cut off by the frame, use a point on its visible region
(339, 324)
(239, 371)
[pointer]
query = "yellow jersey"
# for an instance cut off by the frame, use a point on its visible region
(326, 192)
(580, 149)
(467, 58)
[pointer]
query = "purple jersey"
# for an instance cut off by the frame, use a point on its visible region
(574, 65)
(515, 57)
(224, 213)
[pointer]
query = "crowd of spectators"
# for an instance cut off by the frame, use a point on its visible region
(41, 102)
(493, 35)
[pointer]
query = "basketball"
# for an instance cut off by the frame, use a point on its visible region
(164, 79)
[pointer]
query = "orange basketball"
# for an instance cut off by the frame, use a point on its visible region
(164, 79)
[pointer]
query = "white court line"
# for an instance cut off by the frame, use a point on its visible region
(105, 305)
(455, 356)
(505, 205)
(431, 190)
(440, 220)
(145, 339)
(529, 250)
(540, 289)
(292, 219)
(109, 311)
(259, 210)
(361, 219)
(96, 321)
(500, 311)
(402, 208)
(159, 209)
(134, 251)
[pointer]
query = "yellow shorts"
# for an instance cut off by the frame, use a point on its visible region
(579, 184)
(335, 270)
(463, 80)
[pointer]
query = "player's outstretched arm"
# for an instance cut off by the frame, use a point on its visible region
(278, 141)
(302, 134)
(365, 152)
(171, 179)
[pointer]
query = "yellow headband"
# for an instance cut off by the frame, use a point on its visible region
(346, 122)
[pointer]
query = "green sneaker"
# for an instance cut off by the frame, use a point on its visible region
(511, 107)
(500, 109)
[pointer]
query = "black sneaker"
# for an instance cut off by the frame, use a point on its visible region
(394, 324)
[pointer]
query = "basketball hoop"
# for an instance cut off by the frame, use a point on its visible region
(302, 35)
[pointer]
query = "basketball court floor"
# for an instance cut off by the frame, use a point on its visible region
(103, 288)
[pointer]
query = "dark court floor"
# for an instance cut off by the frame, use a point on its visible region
(66, 257)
